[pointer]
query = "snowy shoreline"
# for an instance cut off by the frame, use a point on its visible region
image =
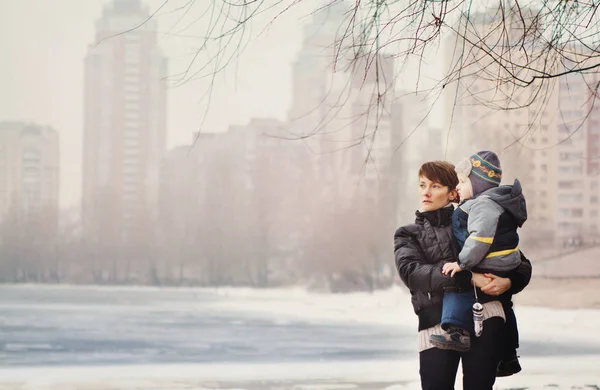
(388, 308)
(556, 292)
(540, 373)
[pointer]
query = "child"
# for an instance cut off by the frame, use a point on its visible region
(485, 227)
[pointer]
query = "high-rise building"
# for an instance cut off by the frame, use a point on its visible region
(29, 168)
(314, 65)
(549, 137)
(576, 151)
(125, 118)
(342, 105)
(488, 109)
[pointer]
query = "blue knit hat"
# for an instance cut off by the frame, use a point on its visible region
(485, 172)
(482, 169)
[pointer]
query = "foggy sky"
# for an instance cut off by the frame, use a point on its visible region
(41, 74)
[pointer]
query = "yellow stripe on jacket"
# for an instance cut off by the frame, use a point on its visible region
(487, 240)
(502, 253)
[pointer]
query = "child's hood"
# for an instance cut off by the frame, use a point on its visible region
(511, 198)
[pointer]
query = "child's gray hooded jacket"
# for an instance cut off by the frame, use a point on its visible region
(486, 229)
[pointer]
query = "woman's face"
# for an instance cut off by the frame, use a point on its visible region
(433, 195)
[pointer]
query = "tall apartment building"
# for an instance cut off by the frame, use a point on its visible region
(487, 110)
(125, 118)
(29, 168)
(248, 182)
(344, 107)
(417, 142)
(577, 151)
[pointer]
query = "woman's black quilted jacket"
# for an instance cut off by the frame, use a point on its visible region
(422, 248)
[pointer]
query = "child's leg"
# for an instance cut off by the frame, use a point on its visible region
(457, 320)
(457, 310)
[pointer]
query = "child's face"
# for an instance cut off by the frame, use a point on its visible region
(464, 187)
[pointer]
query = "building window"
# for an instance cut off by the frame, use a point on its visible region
(132, 106)
(570, 184)
(570, 198)
(133, 115)
(130, 141)
(132, 88)
(131, 124)
(571, 169)
(132, 78)
(130, 134)
(132, 74)
(130, 151)
(132, 53)
(130, 165)
(31, 156)
(132, 37)
(132, 98)
(566, 156)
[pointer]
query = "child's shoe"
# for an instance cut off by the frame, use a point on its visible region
(455, 338)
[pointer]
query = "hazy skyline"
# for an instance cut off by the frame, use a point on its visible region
(41, 72)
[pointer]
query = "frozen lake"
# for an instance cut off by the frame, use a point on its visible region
(266, 337)
(95, 326)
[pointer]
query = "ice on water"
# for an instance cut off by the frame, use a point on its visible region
(561, 348)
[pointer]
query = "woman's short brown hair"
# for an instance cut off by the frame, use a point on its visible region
(440, 171)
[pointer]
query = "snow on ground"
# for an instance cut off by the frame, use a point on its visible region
(393, 307)
(576, 373)
(388, 308)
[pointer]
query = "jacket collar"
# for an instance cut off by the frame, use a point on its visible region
(437, 218)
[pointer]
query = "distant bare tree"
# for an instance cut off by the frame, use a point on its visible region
(29, 245)
(102, 237)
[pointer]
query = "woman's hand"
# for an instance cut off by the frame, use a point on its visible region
(479, 280)
(497, 285)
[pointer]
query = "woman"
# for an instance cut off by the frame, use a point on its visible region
(421, 249)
